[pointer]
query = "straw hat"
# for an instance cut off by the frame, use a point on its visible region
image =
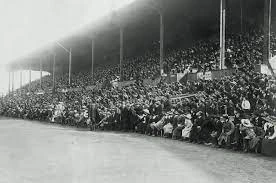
(199, 113)
(225, 116)
(270, 119)
(146, 111)
(246, 123)
(188, 116)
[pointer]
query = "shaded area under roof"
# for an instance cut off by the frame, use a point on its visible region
(185, 22)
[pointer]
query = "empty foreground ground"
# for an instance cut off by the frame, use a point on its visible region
(32, 152)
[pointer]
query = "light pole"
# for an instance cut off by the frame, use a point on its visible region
(70, 60)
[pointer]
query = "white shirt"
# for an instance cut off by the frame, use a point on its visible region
(246, 104)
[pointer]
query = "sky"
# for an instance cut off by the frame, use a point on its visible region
(27, 25)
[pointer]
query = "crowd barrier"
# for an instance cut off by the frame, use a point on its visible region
(210, 75)
(170, 78)
(151, 82)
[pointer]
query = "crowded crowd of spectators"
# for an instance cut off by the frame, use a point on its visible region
(241, 49)
(233, 111)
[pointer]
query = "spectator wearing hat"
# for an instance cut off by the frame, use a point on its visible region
(256, 142)
(125, 114)
(158, 126)
(245, 105)
(228, 128)
(168, 128)
(237, 136)
(196, 128)
(151, 127)
(269, 141)
(133, 118)
(206, 130)
(216, 129)
(177, 132)
(143, 120)
(248, 128)
(187, 127)
(167, 104)
(93, 115)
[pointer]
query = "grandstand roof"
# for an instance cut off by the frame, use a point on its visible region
(186, 20)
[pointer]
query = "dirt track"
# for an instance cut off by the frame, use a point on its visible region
(31, 152)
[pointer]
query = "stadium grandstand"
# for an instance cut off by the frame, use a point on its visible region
(192, 70)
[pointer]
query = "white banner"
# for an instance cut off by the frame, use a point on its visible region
(205, 76)
(265, 70)
(178, 98)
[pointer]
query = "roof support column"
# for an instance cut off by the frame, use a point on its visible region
(70, 66)
(121, 51)
(241, 15)
(267, 35)
(267, 27)
(9, 82)
(222, 33)
(30, 79)
(12, 82)
(40, 67)
(70, 60)
(20, 81)
(161, 42)
(54, 72)
(92, 58)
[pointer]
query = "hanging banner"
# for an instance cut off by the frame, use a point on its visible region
(205, 76)
(179, 98)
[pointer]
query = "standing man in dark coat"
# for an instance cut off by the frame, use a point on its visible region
(197, 128)
(124, 118)
(93, 115)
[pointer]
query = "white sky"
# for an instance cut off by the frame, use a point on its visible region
(30, 24)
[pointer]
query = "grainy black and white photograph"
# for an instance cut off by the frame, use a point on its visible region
(137, 91)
